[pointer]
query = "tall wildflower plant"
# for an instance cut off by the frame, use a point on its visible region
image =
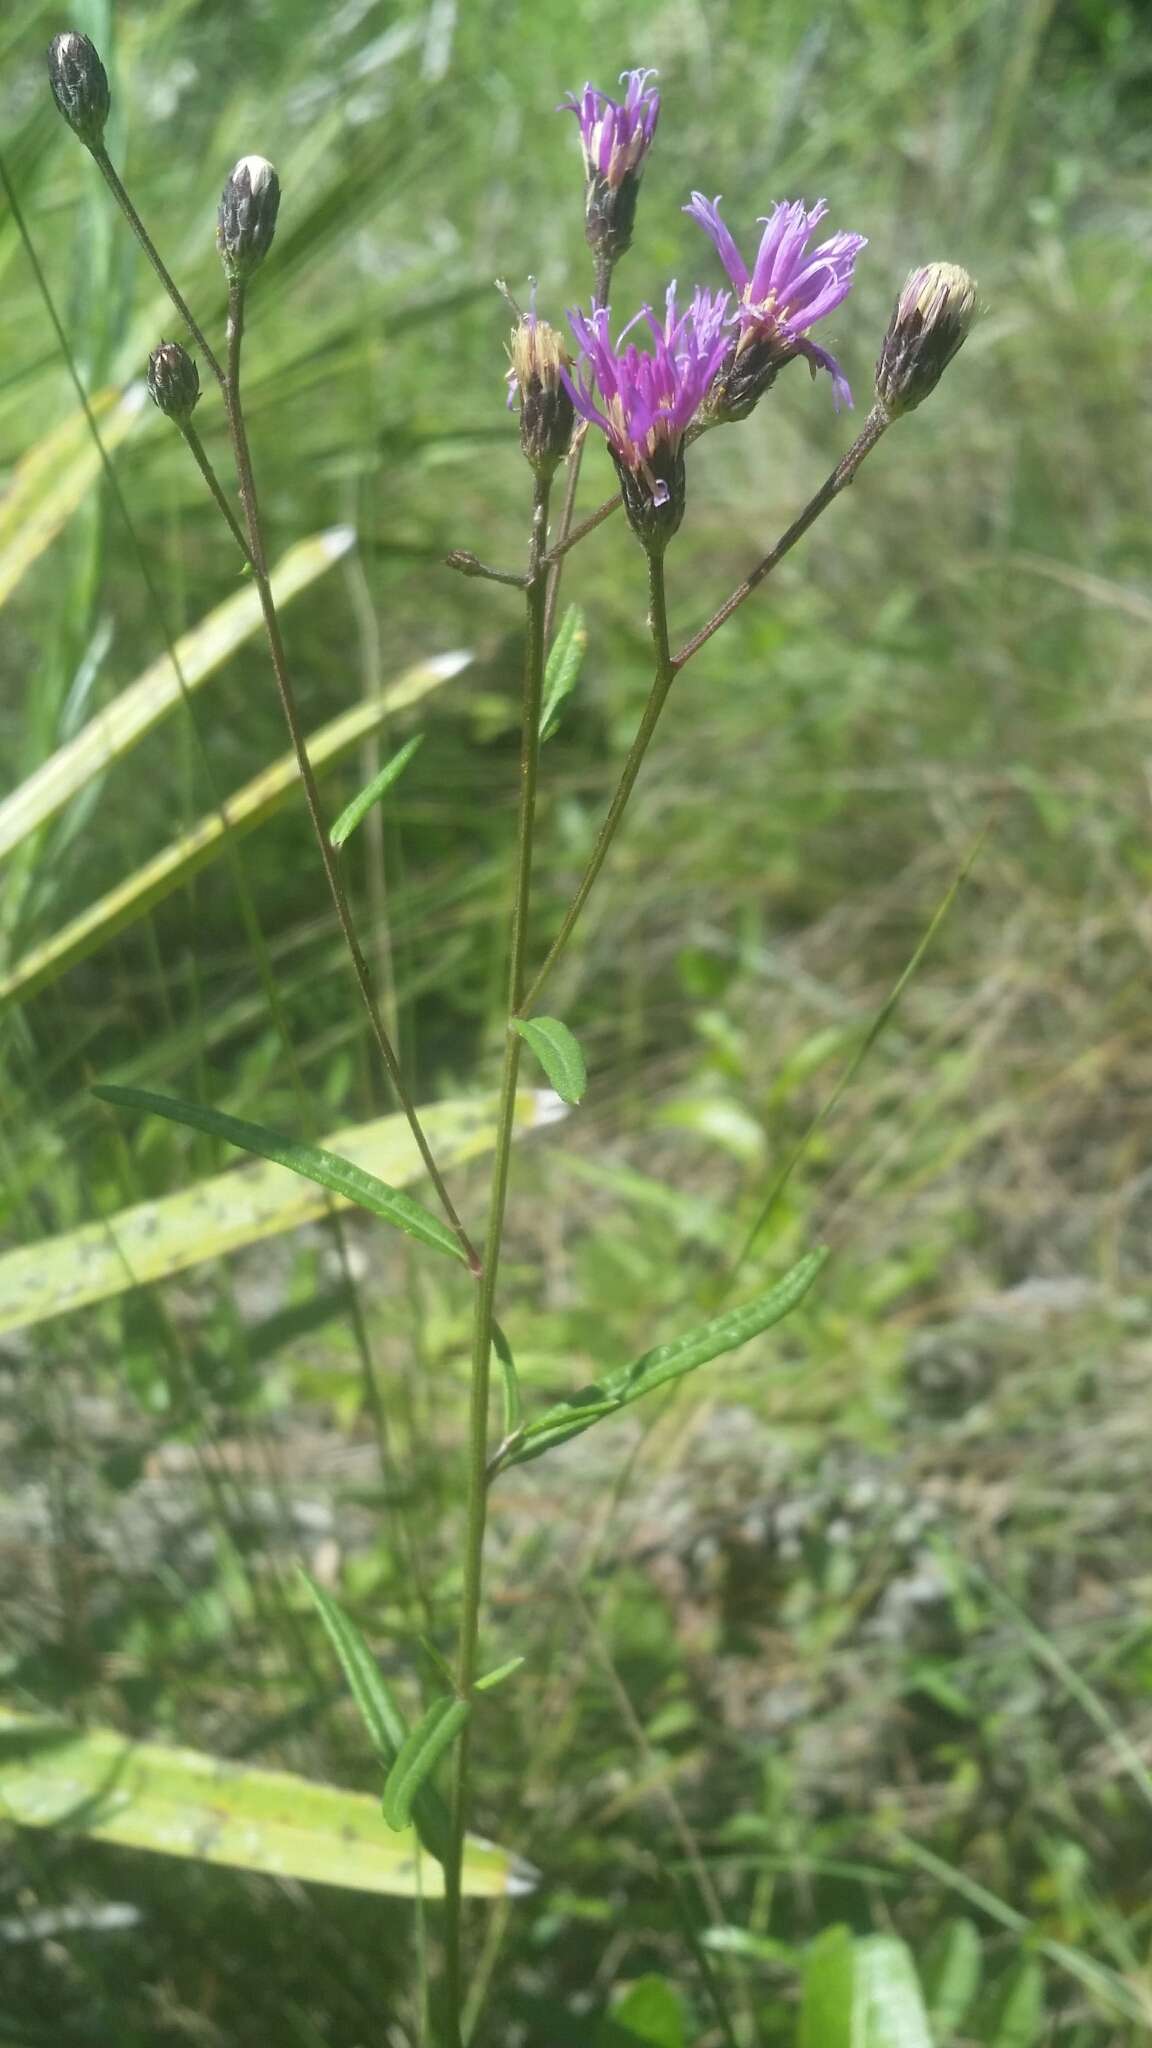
(647, 387)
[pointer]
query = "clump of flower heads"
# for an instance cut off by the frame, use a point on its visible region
(710, 364)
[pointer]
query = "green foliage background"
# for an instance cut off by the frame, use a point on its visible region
(775, 1648)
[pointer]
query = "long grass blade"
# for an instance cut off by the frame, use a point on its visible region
(180, 1802)
(152, 1240)
(200, 652)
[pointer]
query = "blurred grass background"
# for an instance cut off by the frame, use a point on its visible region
(767, 1637)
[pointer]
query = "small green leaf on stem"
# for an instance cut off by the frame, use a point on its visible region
(492, 1679)
(378, 1710)
(558, 1053)
(433, 1734)
(362, 803)
(563, 671)
(327, 1169)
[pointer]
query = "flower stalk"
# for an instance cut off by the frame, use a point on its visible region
(485, 1303)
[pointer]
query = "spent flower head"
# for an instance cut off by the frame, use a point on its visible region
(645, 400)
(788, 289)
(246, 220)
(930, 321)
(79, 86)
(615, 136)
(538, 359)
(173, 381)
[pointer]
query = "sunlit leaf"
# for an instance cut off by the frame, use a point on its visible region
(950, 1973)
(53, 479)
(178, 1802)
(152, 1240)
(492, 1679)
(558, 1052)
(313, 1162)
(115, 731)
(184, 857)
(362, 803)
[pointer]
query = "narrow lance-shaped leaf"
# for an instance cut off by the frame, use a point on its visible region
(378, 1710)
(381, 1715)
(565, 660)
(666, 1362)
(432, 1736)
(152, 1240)
(492, 1679)
(312, 1162)
(362, 803)
(558, 1052)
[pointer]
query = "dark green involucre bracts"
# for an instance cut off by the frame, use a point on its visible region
(246, 221)
(80, 86)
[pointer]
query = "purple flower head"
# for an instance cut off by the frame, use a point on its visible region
(789, 288)
(615, 136)
(644, 400)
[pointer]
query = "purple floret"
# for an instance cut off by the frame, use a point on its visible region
(790, 286)
(645, 400)
(616, 135)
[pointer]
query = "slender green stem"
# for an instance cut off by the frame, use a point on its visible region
(248, 498)
(112, 180)
(657, 697)
(668, 668)
(200, 457)
(534, 654)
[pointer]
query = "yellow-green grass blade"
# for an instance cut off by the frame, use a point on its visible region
(143, 703)
(251, 805)
(180, 1802)
(55, 477)
(152, 1240)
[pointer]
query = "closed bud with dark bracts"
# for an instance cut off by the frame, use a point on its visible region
(930, 322)
(615, 136)
(173, 381)
(246, 221)
(538, 356)
(79, 86)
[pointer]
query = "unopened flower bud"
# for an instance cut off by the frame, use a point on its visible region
(79, 86)
(930, 322)
(246, 221)
(615, 136)
(538, 356)
(173, 381)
